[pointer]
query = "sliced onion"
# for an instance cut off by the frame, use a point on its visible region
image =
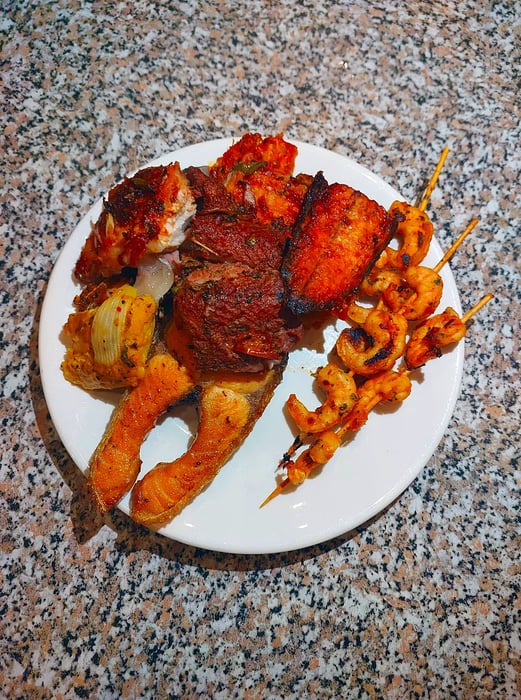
(108, 325)
(154, 277)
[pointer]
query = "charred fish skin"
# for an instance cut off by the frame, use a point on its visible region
(338, 235)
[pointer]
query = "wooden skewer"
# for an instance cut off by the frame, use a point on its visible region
(276, 491)
(202, 245)
(450, 252)
(481, 303)
(459, 240)
(343, 429)
(432, 182)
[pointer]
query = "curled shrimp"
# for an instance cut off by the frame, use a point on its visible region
(356, 313)
(429, 337)
(385, 386)
(417, 296)
(376, 345)
(414, 230)
(318, 453)
(378, 280)
(341, 393)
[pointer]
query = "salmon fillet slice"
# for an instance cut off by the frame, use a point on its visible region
(229, 408)
(115, 464)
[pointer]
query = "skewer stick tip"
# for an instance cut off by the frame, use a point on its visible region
(276, 491)
(481, 303)
(459, 240)
(432, 182)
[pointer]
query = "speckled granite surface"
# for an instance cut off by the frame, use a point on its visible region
(424, 601)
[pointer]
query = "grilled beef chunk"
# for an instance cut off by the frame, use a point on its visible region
(210, 194)
(221, 237)
(221, 231)
(234, 317)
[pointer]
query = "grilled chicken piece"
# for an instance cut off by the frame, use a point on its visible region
(229, 408)
(251, 152)
(108, 345)
(339, 234)
(258, 173)
(234, 317)
(144, 214)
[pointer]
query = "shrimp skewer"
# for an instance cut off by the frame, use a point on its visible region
(415, 230)
(423, 289)
(418, 296)
(436, 332)
(414, 227)
(380, 339)
(386, 386)
(415, 293)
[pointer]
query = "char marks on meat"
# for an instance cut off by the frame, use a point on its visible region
(210, 194)
(222, 231)
(144, 214)
(234, 316)
(220, 237)
(230, 301)
(337, 237)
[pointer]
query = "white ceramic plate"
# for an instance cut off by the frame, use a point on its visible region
(363, 477)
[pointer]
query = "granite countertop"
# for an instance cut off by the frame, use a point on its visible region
(421, 601)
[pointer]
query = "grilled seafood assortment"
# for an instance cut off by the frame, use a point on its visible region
(198, 283)
(403, 291)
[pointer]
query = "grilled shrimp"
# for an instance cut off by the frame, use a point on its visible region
(385, 386)
(340, 388)
(414, 230)
(375, 346)
(356, 313)
(417, 296)
(318, 453)
(429, 337)
(378, 280)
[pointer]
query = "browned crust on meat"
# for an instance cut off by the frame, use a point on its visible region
(134, 216)
(339, 234)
